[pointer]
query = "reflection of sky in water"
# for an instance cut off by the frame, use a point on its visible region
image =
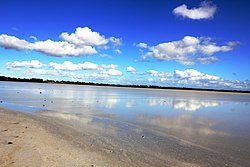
(212, 120)
(74, 98)
(119, 101)
(183, 111)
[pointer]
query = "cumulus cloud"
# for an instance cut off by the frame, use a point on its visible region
(11, 42)
(84, 36)
(206, 11)
(115, 41)
(111, 66)
(42, 72)
(163, 79)
(27, 64)
(114, 72)
(91, 77)
(211, 49)
(194, 75)
(68, 65)
(83, 42)
(194, 78)
(207, 60)
(67, 69)
(91, 72)
(142, 45)
(186, 50)
(155, 73)
(61, 48)
(131, 70)
(150, 79)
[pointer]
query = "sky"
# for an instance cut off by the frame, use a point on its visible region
(180, 43)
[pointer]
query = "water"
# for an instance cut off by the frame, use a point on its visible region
(216, 123)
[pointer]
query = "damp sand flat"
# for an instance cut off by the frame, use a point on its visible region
(32, 139)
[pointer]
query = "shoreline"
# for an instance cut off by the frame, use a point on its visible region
(29, 139)
(26, 141)
(62, 139)
(151, 87)
(185, 90)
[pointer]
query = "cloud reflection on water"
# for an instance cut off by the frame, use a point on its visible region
(84, 121)
(184, 104)
(74, 98)
(187, 125)
(194, 104)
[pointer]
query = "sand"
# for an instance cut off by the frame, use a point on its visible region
(43, 139)
(29, 140)
(24, 141)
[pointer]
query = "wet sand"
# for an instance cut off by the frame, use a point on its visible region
(43, 139)
(33, 140)
(25, 141)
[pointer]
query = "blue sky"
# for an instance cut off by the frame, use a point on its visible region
(168, 43)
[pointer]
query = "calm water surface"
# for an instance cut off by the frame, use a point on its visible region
(215, 125)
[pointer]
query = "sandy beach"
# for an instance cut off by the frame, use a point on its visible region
(45, 139)
(24, 141)
(32, 140)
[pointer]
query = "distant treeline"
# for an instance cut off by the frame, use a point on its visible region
(38, 80)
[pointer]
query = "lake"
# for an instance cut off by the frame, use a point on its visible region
(208, 128)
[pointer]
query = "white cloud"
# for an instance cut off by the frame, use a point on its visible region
(205, 11)
(110, 74)
(112, 66)
(176, 50)
(115, 41)
(211, 49)
(114, 72)
(92, 77)
(81, 43)
(194, 75)
(42, 72)
(11, 42)
(61, 48)
(131, 70)
(186, 51)
(194, 78)
(187, 73)
(49, 47)
(159, 74)
(106, 55)
(207, 60)
(163, 79)
(190, 41)
(142, 45)
(102, 71)
(68, 65)
(153, 72)
(33, 37)
(84, 36)
(118, 51)
(88, 66)
(27, 64)
(150, 79)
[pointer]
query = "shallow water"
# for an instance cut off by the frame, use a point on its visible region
(199, 127)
